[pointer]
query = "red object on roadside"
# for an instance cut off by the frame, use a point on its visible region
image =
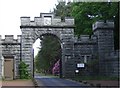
(56, 68)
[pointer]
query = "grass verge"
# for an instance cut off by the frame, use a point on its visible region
(49, 75)
(79, 78)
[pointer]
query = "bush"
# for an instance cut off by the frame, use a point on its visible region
(23, 70)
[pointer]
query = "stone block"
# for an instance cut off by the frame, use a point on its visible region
(102, 25)
(9, 38)
(25, 21)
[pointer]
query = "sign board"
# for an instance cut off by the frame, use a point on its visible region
(80, 65)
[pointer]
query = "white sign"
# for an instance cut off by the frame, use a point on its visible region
(80, 65)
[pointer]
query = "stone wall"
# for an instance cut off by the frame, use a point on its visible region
(85, 50)
(64, 31)
(40, 21)
(100, 45)
(74, 50)
(112, 64)
(85, 46)
(104, 33)
(11, 48)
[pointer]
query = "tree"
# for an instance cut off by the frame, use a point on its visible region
(86, 13)
(63, 10)
(48, 54)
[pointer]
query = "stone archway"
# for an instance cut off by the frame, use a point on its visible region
(44, 24)
(58, 57)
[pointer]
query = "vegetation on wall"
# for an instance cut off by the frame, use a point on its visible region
(23, 70)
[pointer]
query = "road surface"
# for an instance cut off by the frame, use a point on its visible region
(50, 82)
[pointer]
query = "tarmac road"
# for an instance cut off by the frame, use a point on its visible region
(49, 82)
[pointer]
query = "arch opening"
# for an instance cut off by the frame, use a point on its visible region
(47, 55)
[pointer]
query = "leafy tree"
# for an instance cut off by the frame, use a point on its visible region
(62, 9)
(86, 13)
(48, 54)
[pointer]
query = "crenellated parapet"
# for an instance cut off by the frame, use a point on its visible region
(85, 45)
(103, 25)
(47, 19)
(86, 39)
(10, 39)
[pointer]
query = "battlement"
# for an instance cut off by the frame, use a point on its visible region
(47, 19)
(46, 15)
(103, 25)
(86, 39)
(10, 39)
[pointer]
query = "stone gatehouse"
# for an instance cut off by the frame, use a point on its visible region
(74, 50)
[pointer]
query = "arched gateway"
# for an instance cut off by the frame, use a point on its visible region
(48, 24)
(76, 52)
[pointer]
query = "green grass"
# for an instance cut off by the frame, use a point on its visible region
(18, 80)
(50, 75)
(79, 78)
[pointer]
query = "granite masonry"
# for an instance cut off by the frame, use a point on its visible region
(10, 48)
(74, 50)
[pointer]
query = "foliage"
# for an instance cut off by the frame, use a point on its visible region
(48, 54)
(86, 13)
(3, 78)
(49, 75)
(62, 9)
(23, 70)
(79, 78)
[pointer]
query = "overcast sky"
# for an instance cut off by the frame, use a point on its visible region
(12, 10)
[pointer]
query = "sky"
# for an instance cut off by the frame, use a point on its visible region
(12, 10)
